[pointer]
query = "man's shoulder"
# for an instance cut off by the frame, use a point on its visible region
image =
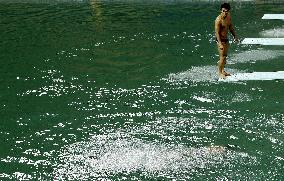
(218, 19)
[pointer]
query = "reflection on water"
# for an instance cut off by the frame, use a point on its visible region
(44, 1)
(98, 13)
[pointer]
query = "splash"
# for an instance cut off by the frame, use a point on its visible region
(109, 155)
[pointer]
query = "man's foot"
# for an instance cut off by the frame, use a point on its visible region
(226, 74)
(222, 76)
(216, 149)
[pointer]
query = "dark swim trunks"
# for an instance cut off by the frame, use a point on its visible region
(226, 40)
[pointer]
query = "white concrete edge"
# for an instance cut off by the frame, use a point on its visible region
(279, 75)
(263, 41)
(273, 16)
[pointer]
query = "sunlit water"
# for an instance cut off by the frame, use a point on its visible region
(128, 90)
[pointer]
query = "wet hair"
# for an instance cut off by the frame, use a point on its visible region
(226, 6)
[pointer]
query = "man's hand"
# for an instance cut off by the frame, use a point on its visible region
(221, 46)
(236, 40)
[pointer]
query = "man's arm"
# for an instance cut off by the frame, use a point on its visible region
(217, 30)
(232, 30)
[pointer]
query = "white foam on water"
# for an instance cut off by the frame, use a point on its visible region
(255, 55)
(154, 150)
(203, 99)
(273, 33)
(241, 97)
(197, 74)
(106, 155)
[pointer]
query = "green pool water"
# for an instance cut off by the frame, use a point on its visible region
(128, 90)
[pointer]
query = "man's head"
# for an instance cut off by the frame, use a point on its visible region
(225, 8)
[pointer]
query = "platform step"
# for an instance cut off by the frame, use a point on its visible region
(273, 16)
(264, 41)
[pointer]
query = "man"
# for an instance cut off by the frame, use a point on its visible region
(222, 25)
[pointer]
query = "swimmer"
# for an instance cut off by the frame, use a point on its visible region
(223, 23)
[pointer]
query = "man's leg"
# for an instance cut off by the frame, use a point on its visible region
(222, 61)
(221, 66)
(223, 56)
(225, 53)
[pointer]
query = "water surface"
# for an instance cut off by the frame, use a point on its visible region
(127, 90)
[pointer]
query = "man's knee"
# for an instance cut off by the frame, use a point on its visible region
(224, 53)
(222, 59)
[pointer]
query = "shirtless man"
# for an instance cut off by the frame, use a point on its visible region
(222, 25)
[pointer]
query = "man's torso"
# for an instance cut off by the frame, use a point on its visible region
(224, 26)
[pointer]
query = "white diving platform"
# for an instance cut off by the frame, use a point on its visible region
(273, 16)
(254, 76)
(260, 41)
(263, 41)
